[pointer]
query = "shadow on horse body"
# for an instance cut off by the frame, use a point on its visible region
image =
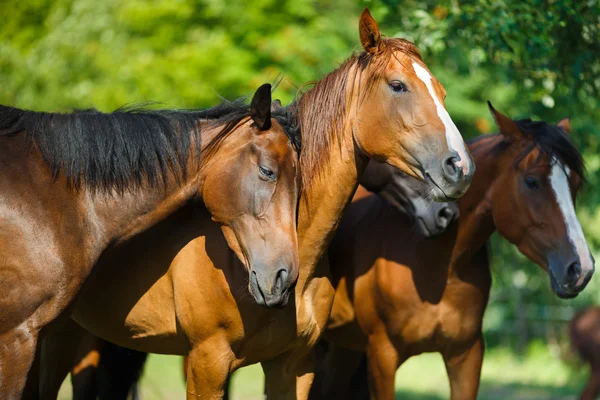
(399, 295)
(584, 333)
(77, 187)
(366, 108)
(119, 368)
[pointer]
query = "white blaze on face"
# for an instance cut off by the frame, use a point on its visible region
(560, 185)
(453, 137)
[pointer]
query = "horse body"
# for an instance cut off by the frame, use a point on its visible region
(69, 231)
(398, 295)
(79, 186)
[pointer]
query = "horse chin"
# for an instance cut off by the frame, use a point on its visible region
(424, 229)
(559, 291)
(255, 291)
(267, 301)
(281, 302)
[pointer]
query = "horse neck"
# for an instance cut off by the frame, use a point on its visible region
(123, 215)
(322, 202)
(476, 224)
(321, 207)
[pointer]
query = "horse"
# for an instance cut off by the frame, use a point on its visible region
(409, 197)
(77, 185)
(398, 295)
(103, 370)
(584, 334)
(184, 297)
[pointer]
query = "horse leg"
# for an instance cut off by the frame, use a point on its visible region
(227, 384)
(17, 354)
(208, 368)
(289, 376)
(334, 373)
(118, 371)
(382, 363)
(592, 389)
(32, 386)
(227, 388)
(359, 386)
(464, 371)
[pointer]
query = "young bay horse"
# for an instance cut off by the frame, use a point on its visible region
(584, 332)
(75, 186)
(107, 371)
(184, 297)
(398, 295)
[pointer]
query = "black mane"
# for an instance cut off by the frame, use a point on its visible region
(112, 151)
(552, 141)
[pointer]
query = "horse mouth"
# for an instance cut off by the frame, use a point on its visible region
(425, 230)
(444, 196)
(256, 291)
(559, 290)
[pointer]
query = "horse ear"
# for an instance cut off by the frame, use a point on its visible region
(260, 107)
(565, 124)
(507, 126)
(370, 37)
(276, 106)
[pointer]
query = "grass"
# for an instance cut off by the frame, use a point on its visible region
(537, 376)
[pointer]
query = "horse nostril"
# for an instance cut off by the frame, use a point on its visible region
(281, 281)
(444, 217)
(450, 167)
(573, 272)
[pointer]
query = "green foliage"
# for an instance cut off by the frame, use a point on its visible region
(535, 58)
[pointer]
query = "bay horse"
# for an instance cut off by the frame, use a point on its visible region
(382, 103)
(75, 186)
(103, 370)
(398, 295)
(584, 333)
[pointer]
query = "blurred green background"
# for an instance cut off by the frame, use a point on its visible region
(531, 58)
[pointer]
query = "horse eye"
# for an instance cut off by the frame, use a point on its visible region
(531, 182)
(266, 172)
(398, 87)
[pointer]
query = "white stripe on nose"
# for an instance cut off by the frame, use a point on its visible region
(560, 186)
(453, 138)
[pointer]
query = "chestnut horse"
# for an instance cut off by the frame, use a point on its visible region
(76, 186)
(398, 295)
(107, 371)
(382, 103)
(584, 332)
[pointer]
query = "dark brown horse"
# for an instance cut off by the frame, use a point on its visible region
(410, 197)
(180, 293)
(75, 186)
(584, 332)
(399, 295)
(107, 371)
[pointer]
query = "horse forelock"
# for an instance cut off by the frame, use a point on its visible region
(553, 142)
(550, 140)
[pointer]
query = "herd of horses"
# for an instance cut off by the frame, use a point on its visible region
(238, 235)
